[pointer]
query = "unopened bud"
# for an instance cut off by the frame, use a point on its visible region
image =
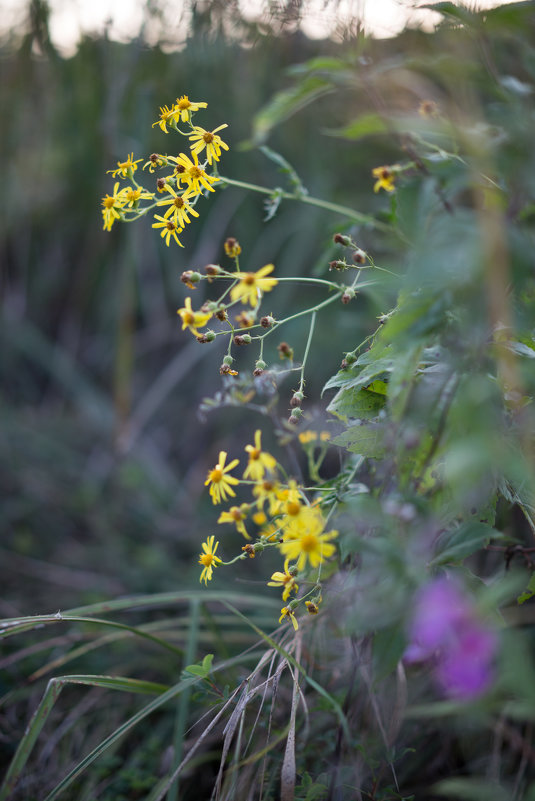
(208, 336)
(190, 277)
(340, 239)
(242, 339)
(338, 264)
(297, 399)
(359, 257)
(212, 269)
(295, 416)
(267, 321)
(228, 360)
(221, 314)
(348, 295)
(260, 364)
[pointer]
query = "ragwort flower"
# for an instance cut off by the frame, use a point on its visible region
(133, 196)
(385, 178)
(192, 320)
(251, 285)
(304, 540)
(235, 515)
(184, 107)
(208, 559)
(288, 612)
(167, 115)
(285, 580)
(259, 460)
(220, 482)
(125, 168)
(169, 229)
(178, 207)
(111, 206)
(193, 175)
(209, 140)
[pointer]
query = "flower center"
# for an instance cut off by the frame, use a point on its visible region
(109, 202)
(216, 475)
(309, 542)
(249, 278)
(184, 103)
(178, 202)
(267, 486)
(236, 514)
(195, 172)
(293, 508)
(254, 454)
(206, 559)
(208, 138)
(179, 169)
(171, 226)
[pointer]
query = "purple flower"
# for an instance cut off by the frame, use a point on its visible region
(445, 627)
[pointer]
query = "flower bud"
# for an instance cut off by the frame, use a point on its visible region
(359, 257)
(295, 416)
(208, 336)
(221, 314)
(296, 400)
(340, 239)
(348, 295)
(212, 269)
(338, 264)
(285, 351)
(267, 321)
(232, 247)
(189, 277)
(260, 365)
(242, 339)
(160, 184)
(228, 360)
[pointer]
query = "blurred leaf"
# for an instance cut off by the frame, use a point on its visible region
(356, 404)
(366, 440)
(365, 125)
(529, 592)
(472, 789)
(286, 103)
(457, 545)
(388, 647)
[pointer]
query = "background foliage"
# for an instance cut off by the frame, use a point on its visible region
(103, 456)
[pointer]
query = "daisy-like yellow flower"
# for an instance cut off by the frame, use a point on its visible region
(209, 140)
(291, 501)
(178, 207)
(169, 229)
(184, 107)
(236, 515)
(124, 168)
(385, 179)
(112, 205)
(259, 461)
(304, 540)
(208, 559)
(192, 320)
(286, 613)
(189, 172)
(220, 482)
(268, 490)
(133, 196)
(251, 285)
(167, 115)
(285, 580)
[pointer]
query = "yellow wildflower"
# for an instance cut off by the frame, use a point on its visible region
(111, 206)
(209, 140)
(291, 501)
(251, 285)
(127, 167)
(193, 175)
(155, 161)
(385, 178)
(133, 196)
(184, 107)
(286, 612)
(232, 247)
(305, 437)
(304, 540)
(178, 207)
(286, 580)
(220, 482)
(259, 460)
(208, 559)
(235, 515)
(268, 490)
(192, 320)
(169, 229)
(167, 115)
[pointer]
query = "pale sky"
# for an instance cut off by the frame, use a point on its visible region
(123, 18)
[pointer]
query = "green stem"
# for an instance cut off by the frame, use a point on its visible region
(307, 349)
(313, 201)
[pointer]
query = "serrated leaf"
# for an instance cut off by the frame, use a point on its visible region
(366, 440)
(460, 543)
(352, 378)
(365, 125)
(356, 404)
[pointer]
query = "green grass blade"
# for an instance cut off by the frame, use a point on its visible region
(42, 712)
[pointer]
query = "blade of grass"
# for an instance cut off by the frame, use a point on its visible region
(39, 718)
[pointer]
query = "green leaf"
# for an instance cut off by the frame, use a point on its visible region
(472, 789)
(388, 647)
(351, 378)
(460, 543)
(286, 103)
(366, 440)
(365, 125)
(356, 404)
(529, 592)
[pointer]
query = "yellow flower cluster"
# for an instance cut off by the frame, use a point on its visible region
(183, 186)
(286, 520)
